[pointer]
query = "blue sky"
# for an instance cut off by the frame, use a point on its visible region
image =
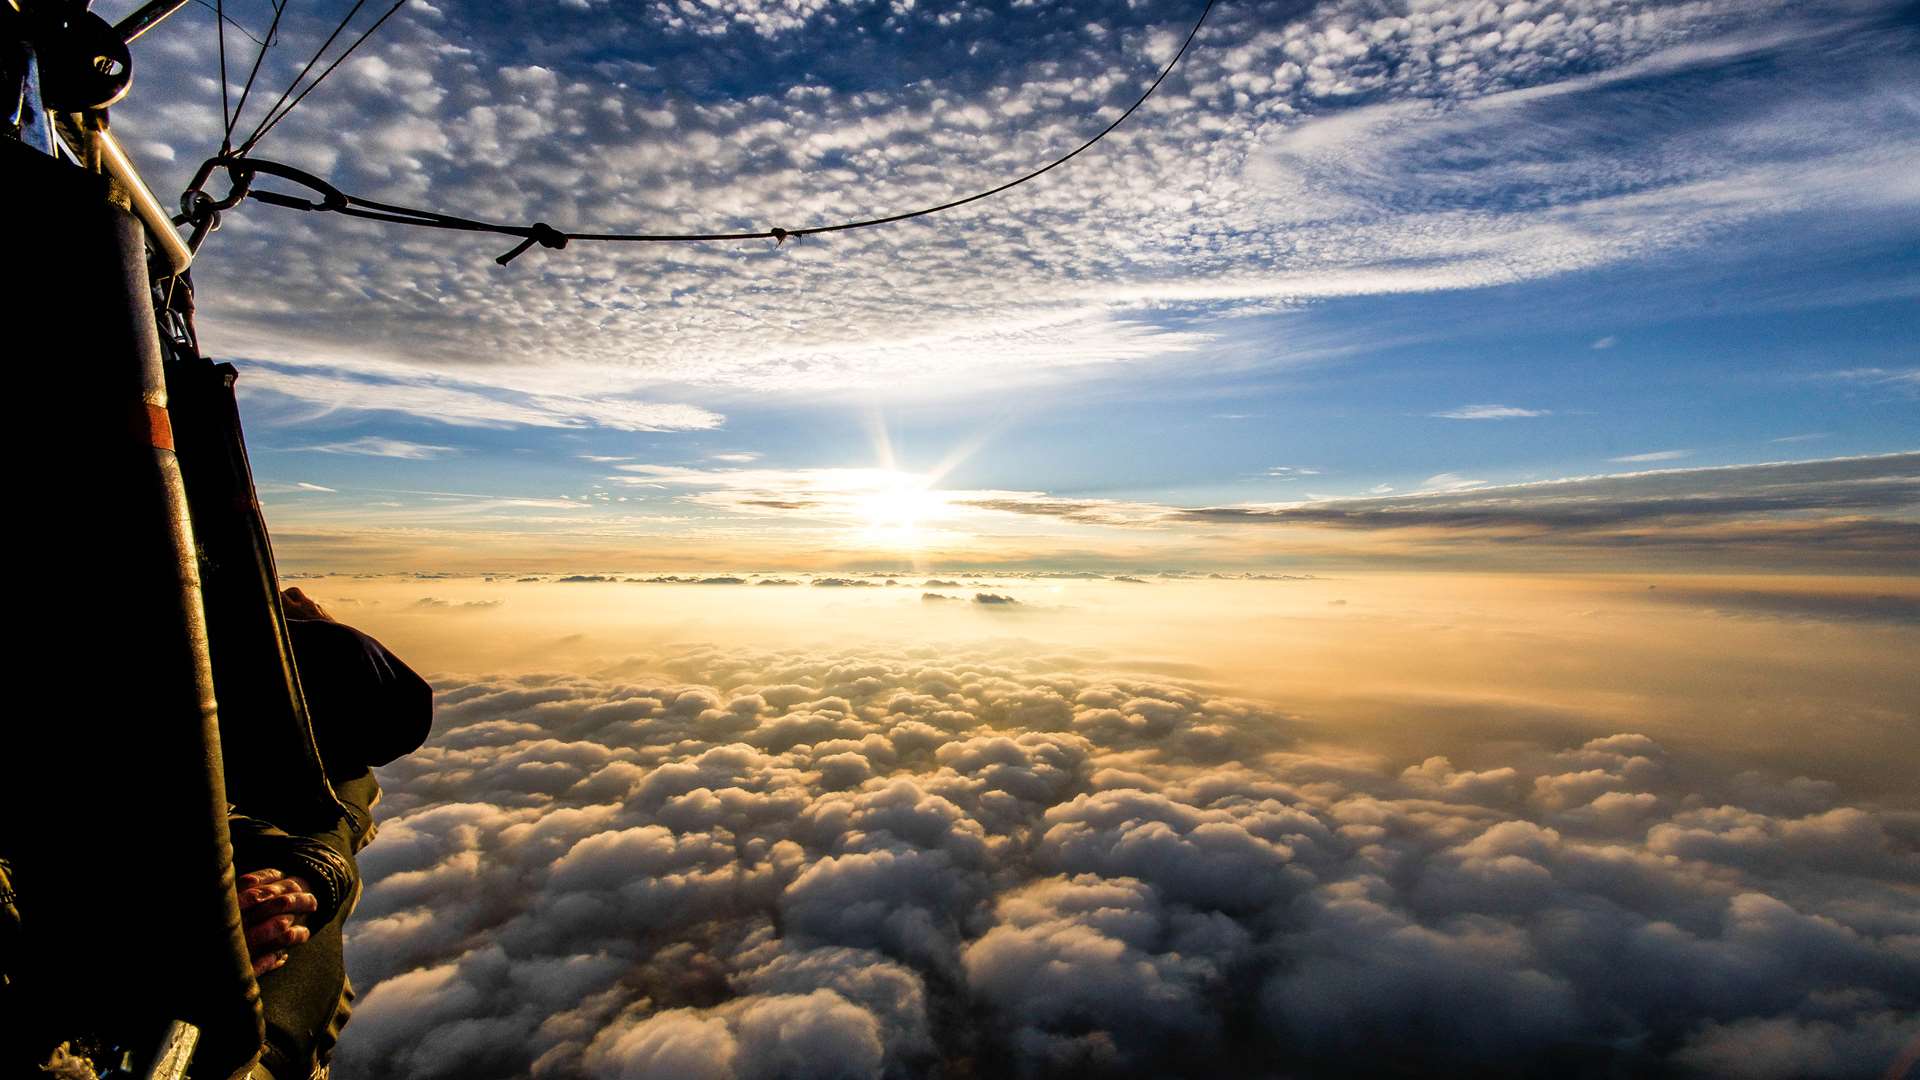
(1351, 250)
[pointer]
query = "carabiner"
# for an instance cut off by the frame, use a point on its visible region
(243, 170)
(197, 206)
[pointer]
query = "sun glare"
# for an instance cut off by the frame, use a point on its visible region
(895, 514)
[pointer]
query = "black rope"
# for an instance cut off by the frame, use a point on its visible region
(226, 138)
(274, 116)
(220, 28)
(219, 9)
(547, 236)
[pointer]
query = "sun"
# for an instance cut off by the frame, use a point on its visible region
(896, 506)
(896, 512)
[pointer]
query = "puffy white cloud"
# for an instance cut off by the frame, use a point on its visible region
(781, 865)
(675, 1042)
(1781, 1048)
(1064, 951)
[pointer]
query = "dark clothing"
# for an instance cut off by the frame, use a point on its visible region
(367, 708)
(324, 862)
(306, 1001)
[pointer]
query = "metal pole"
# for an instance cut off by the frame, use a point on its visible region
(175, 1053)
(149, 16)
(115, 163)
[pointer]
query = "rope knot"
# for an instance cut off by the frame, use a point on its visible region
(537, 233)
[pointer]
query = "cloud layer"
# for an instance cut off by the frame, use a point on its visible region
(868, 865)
(1838, 511)
(1300, 152)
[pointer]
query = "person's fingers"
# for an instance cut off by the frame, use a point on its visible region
(266, 911)
(298, 903)
(252, 898)
(257, 877)
(255, 887)
(300, 605)
(280, 932)
(272, 889)
(258, 917)
(262, 936)
(273, 908)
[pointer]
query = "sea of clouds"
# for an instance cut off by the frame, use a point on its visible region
(996, 863)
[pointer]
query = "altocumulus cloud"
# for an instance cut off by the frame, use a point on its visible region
(882, 865)
(1300, 152)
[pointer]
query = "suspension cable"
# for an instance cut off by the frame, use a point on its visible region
(220, 27)
(218, 9)
(275, 114)
(226, 138)
(242, 170)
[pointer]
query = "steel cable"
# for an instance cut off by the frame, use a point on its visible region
(547, 236)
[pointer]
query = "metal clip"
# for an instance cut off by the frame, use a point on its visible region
(195, 203)
(243, 170)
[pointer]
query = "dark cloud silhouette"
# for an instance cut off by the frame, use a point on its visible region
(1861, 508)
(434, 603)
(1824, 606)
(871, 865)
(1889, 482)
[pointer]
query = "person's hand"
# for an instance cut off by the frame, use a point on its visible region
(274, 909)
(299, 605)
